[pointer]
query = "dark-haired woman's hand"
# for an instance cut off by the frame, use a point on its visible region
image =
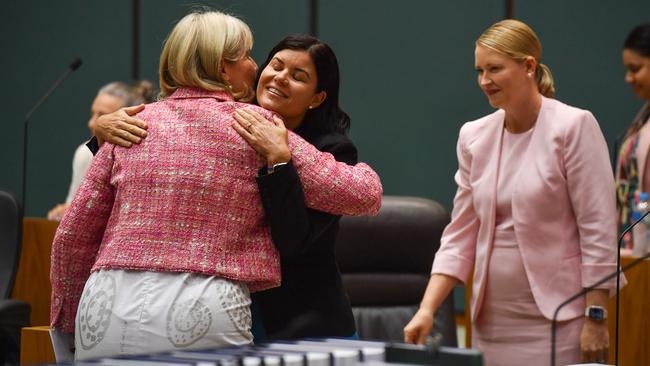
(268, 138)
(120, 128)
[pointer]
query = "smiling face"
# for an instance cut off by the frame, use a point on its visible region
(503, 79)
(287, 86)
(638, 72)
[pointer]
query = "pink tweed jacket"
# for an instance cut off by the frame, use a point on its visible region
(186, 200)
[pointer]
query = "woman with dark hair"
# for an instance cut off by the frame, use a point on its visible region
(300, 81)
(632, 170)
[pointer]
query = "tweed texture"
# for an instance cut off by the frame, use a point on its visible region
(186, 200)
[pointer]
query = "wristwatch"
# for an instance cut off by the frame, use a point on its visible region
(595, 312)
(272, 169)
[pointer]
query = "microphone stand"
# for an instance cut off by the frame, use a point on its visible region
(600, 282)
(74, 65)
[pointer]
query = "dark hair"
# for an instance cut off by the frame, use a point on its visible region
(327, 117)
(639, 40)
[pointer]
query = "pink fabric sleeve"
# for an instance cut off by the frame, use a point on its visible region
(455, 257)
(78, 238)
(332, 186)
(590, 182)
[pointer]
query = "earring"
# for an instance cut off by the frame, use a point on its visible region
(530, 74)
(310, 107)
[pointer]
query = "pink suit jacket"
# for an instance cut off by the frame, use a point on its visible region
(563, 207)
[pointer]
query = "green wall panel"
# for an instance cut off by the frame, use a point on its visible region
(582, 42)
(40, 39)
(408, 83)
(48, 35)
(407, 73)
(270, 21)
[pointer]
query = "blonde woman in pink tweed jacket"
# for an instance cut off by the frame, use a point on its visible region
(163, 241)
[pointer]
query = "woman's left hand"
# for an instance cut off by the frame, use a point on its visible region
(594, 341)
(120, 128)
(269, 138)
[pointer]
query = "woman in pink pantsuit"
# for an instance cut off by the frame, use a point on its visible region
(534, 214)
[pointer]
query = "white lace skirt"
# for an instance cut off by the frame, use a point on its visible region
(130, 312)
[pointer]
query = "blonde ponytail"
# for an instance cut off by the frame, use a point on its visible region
(544, 79)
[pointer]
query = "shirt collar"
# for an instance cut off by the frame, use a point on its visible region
(191, 93)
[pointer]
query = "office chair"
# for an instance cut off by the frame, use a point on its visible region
(385, 262)
(14, 314)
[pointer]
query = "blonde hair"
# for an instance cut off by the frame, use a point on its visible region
(517, 40)
(193, 53)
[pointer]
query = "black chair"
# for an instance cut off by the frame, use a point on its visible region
(14, 314)
(385, 262)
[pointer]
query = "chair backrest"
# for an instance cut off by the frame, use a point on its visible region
(385, 262)
(11, 230)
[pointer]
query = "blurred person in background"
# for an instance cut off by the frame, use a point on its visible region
(110, 98)
(632, 164)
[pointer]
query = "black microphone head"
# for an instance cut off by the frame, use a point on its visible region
(75, 64)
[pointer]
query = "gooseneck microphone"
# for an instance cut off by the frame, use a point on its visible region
(74, 65)
(598, 283)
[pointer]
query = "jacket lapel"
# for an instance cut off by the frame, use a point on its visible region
(492, 143)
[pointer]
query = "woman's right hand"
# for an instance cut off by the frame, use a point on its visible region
(120, 128)
(269, 138)
(419, 327)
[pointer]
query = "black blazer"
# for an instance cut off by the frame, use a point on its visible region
(311, 301)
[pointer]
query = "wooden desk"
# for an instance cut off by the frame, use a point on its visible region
(36, 346)
(33, 278)
(634, 322)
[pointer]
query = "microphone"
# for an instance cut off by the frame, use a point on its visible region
(74, 65)
(598, 283)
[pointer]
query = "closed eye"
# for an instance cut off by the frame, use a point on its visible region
(300, 76)
(633, 68)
